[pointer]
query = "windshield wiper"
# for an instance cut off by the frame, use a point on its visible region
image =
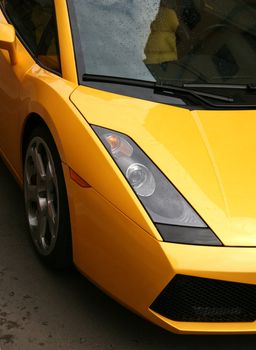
(117, 80)
(249, 87)
(164, 89)
(195, 93)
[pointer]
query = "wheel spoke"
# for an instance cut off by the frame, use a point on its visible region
(32, 193)
(50, 176)
(30, 169)
(52, 218)
(41, 229)
(39, 165)
(33, 222)
(49, 172)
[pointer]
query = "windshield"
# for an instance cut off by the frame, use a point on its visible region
(167, 41)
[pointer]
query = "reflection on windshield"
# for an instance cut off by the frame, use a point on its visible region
(161, 44)
(175, 42)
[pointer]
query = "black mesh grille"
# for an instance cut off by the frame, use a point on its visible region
(194, 299)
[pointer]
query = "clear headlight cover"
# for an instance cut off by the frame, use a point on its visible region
(165, 205)
(162, 201)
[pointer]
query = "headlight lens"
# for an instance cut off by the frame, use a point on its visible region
(141, 179)
(163, 202)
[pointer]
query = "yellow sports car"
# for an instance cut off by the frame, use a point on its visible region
(131, 126)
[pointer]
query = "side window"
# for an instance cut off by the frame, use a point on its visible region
(35, 21)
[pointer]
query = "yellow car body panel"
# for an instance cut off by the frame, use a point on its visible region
(195, 150)
(132, 267)
(115, 243)
(68, 64)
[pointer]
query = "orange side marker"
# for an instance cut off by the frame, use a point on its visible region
(77, 179)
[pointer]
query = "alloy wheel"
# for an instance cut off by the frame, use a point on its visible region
(41, 196)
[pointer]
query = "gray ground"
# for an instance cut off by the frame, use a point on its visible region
(42, 309)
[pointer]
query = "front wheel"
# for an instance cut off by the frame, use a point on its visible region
(46, 200)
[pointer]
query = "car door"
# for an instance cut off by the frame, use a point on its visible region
(37, 43)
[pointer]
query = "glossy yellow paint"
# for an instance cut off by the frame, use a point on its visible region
(132, 267)
(196, 150)
(8, 41)
(68, 64)
(10, 100)
(122, 252)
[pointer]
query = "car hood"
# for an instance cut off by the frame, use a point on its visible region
(208, 155)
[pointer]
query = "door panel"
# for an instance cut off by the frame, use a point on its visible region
(10, 101)
(35, 22)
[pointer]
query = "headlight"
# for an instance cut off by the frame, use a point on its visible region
(176, 220)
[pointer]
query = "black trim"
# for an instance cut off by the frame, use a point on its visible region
(188, 235)
(182, 96)
(27, 47)
(146, 93)
(159, 88)
(197, 299)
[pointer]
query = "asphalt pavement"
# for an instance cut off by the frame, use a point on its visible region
(44, 309)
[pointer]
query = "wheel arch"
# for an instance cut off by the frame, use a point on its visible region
(32, 121)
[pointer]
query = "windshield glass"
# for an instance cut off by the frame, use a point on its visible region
(168, 41)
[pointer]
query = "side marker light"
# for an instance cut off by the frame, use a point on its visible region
(77, 179)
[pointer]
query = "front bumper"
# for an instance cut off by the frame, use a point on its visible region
(213, 264)
(134, 268)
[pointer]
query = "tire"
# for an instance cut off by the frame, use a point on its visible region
(46, 201)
